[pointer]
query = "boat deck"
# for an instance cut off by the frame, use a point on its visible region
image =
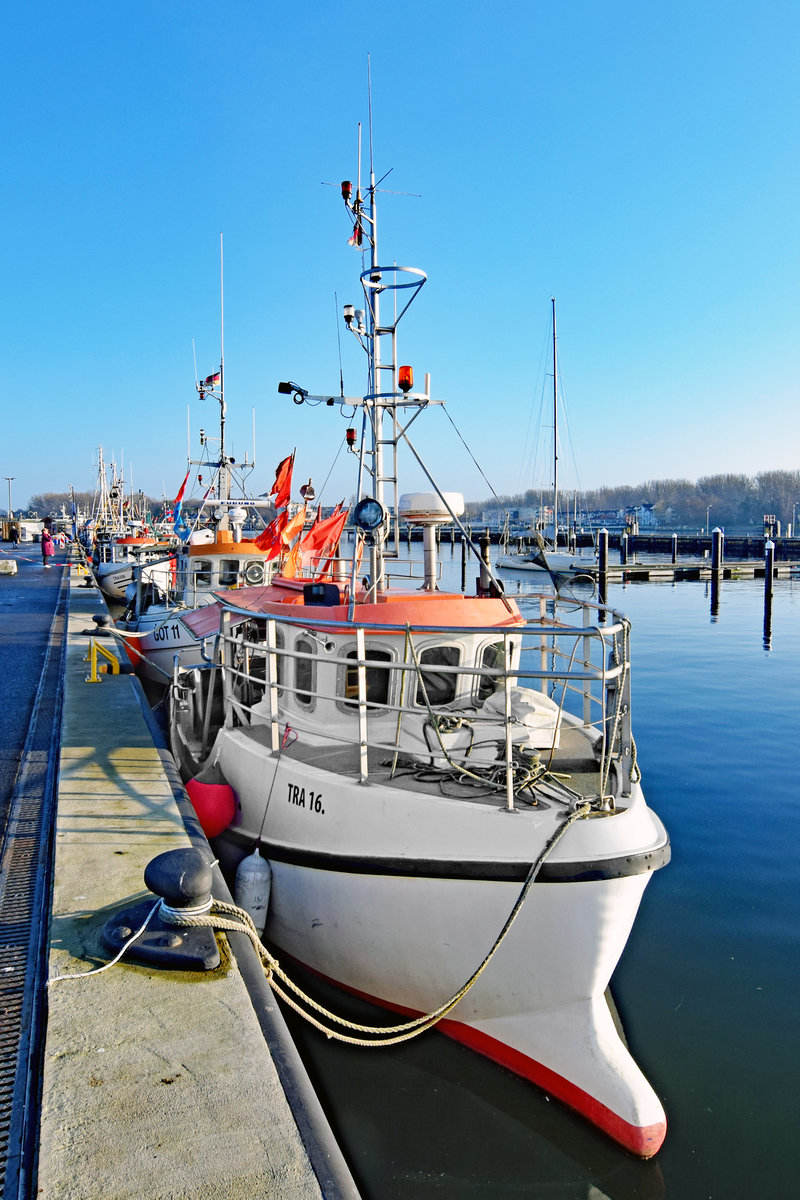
(574, 769)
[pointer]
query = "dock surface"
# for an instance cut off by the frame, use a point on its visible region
(154, 1083)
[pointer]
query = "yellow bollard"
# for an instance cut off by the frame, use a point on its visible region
(91, 658)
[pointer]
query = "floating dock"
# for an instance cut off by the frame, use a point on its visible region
(642, 572)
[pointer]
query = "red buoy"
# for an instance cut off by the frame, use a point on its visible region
(214, 804)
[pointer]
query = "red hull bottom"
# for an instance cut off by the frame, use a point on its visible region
(644, 1141)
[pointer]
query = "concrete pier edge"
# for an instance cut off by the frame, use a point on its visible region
(241, 1116)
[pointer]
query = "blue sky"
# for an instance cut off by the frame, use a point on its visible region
(638, 162)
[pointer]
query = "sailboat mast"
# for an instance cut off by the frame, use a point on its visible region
(555, 431)
(224, 488)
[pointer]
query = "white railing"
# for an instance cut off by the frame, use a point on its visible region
(584, 670)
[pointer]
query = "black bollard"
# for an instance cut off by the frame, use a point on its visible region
(182, 878)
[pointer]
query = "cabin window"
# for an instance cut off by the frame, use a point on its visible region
(304, 673)
(378, 677)
(202, 573)
(492, 660)
(228, 572)
(435, 686)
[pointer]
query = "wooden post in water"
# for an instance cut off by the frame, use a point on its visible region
(769, 567)
(769, 572)
(463, 564)
(623, 548)
(717, 550)
(602, 565)
(485, 579)
(674, 548)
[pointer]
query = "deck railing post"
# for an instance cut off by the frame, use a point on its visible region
(361, 656)
(272, 683)
(507, 696)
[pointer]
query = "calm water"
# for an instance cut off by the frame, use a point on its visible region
(708, 985)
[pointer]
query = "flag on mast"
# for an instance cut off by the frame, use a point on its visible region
(282, 487)
(178, 522)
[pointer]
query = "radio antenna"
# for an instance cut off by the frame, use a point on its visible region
(339, 341)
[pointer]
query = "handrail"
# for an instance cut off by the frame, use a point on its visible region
(594, 668)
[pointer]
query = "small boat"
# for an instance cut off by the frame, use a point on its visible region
(119, 539)
(213, 559)
(541, 552)
(444, 786)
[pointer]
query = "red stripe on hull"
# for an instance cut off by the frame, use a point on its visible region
(642, 1140)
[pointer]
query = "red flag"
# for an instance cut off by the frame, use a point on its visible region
(290, 567)
(270, 538)
(324, 535)
(182, 488)
(321, 542)
(282, 487)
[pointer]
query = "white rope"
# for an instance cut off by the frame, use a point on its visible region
(115, 960)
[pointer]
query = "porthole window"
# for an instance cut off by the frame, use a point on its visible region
(254, 572)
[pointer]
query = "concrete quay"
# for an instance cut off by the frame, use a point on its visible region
(156, 1084)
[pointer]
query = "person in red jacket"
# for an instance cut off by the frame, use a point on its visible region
(48, 548)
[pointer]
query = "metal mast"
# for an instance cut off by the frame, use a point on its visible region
(555, 432)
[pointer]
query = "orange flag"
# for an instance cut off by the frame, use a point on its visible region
(293, 527)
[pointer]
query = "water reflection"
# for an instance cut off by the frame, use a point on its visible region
(432, 1118)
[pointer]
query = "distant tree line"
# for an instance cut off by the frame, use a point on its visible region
(52, 502)
(733, 500)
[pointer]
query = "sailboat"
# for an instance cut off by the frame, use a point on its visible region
(443, 786)
(120, 542)
(540, 552)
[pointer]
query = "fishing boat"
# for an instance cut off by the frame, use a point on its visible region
(541, 552)
(213, 559)
(119, 540)
(443, 786)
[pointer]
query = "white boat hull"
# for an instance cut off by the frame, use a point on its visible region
(114, 578)
(158, 637)
(559, 563)
(408, 930)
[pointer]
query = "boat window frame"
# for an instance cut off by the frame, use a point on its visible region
(483, 668)
(202, 566)
(437, 701)
(350, 705)
(226, 564)
(305, 692)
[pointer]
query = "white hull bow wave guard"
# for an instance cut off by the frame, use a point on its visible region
(445, 786)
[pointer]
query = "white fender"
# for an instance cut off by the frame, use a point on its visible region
(252, 888)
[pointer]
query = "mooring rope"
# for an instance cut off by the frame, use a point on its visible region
(232, 919)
